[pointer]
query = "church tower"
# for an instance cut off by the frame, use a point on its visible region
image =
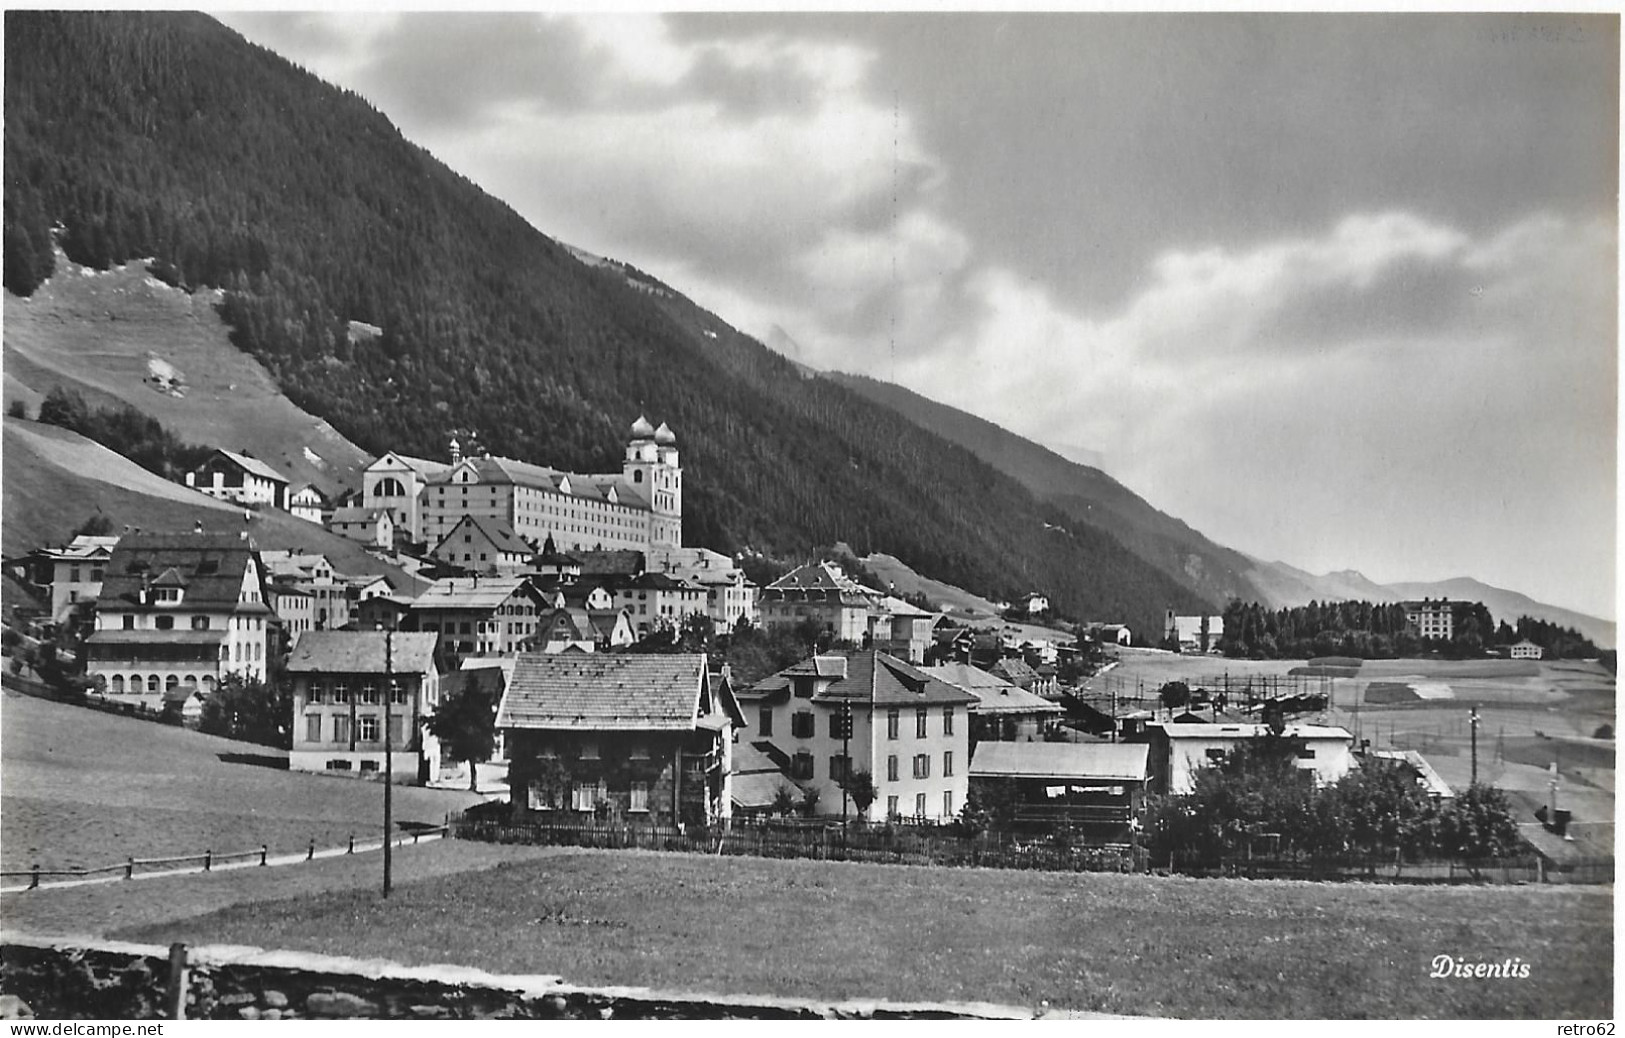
(653, 469)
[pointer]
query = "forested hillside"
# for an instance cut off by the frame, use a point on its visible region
(166, 135)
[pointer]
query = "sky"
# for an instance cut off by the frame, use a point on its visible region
(1337, 290)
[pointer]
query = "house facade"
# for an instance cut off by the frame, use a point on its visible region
(239, 478)
(307, 503)
(636, 509)
(643, 739)
(340, 682)
(1199, 633)
(1431, 618)
(1003, 711)
(74, 571)
(729, 595)
(909, 731)
(372, 527)
(176, 614)
(474, 616)
(1098, 787)
(395, 483)
(1524, 650)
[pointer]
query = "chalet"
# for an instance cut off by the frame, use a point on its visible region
(1003, 712)
(176, 614)
(910, 732)
(241, 479)
(636, 738)
(481, 545)
(1036, 604)
(1523, 650)
(339, 682)
(308, 503)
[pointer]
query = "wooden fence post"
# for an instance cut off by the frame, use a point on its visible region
(352, 844)
(177, 982)
(310, 853)
(208, 861)
(129, 868)
(33, 879)
(265, 852)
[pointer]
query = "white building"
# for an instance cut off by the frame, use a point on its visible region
(394, 483)
(237, 477)
(729, 595)
(1526, 650)
(1178, 750)
(1200, 633)
(75, 571)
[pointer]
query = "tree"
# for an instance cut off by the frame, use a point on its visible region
(860, 786)
(17, 409)
(784, 799)
(98, 525)
(247, 709)
(1478, 824)
(1174, 695)
(465, 721)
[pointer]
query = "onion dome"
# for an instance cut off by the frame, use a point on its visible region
(641, 429)
(664, 435)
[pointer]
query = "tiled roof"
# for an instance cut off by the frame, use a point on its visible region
(588, 691)
(1120, 761)
(254, 466)
(874, 677)
(818, 576)
(422, 466)
(1015, 670)
(994, 694)
(499, 533)
(601, 563)
(362, 652)
(211, 567)
(468, 592)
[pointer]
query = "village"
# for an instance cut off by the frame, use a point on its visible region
(566, 606)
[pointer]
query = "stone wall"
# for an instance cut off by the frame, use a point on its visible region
(104, 980)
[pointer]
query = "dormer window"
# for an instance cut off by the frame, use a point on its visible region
(166, 595)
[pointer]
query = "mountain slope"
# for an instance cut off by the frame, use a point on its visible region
(167, 135)
(56, 479)
(103, 334)
(1213, 572)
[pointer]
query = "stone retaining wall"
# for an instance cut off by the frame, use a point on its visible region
(105, 980)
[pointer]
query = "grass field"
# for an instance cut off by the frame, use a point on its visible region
(80, 788)
(1119, 944)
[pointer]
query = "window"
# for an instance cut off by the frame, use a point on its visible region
(587, 795)
(922, 766)
(397, 693)
(166, 595)
(313, 728)
(893, 717)
(542, 797)
(919, 805)
(891, 807)
(367, 728)
(369, 765)
(1215, 754)
(891, 768)
(369, 692)
(801, 724)
(801, 766)
(129, 623)
(838, 766)
(919, 723)
(73, 574)
(638, 800)
(341, 692)
(589, 749)
(835, 724)
(1306, 754)
(152, 684)
(947, 720)
(316, 694)
(947, 804)
(338, 765)
(948, 764)
(135, 684)
(200, 623)
(764, 720)
(164, 623)
(118, 683)
(341, 728)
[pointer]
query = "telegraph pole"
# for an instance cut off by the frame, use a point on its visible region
(846, 758)
(1472, 721)
(389, 768)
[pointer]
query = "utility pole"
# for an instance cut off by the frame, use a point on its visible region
(1472, 721)
(389, 768)
(846, 760)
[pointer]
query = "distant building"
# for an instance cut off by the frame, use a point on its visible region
(1003, 712)
(1178, 750)
(310, 574)
(395, 483)
(729, 595)
(372, 527)
(822, 593)
(309, 504)
(484, 546)
(638, 508)
(1526, 650)
(1106, 634)
(1098, 787)
(1200, 633)
(474, 616)
(72, 573)
(339, 680)
(239, 478)
(1036, 604)
(1431, 618)
(176, 614)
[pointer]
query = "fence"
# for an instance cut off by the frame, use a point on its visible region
(897, 845)
(209, 859)
(1496, 871)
